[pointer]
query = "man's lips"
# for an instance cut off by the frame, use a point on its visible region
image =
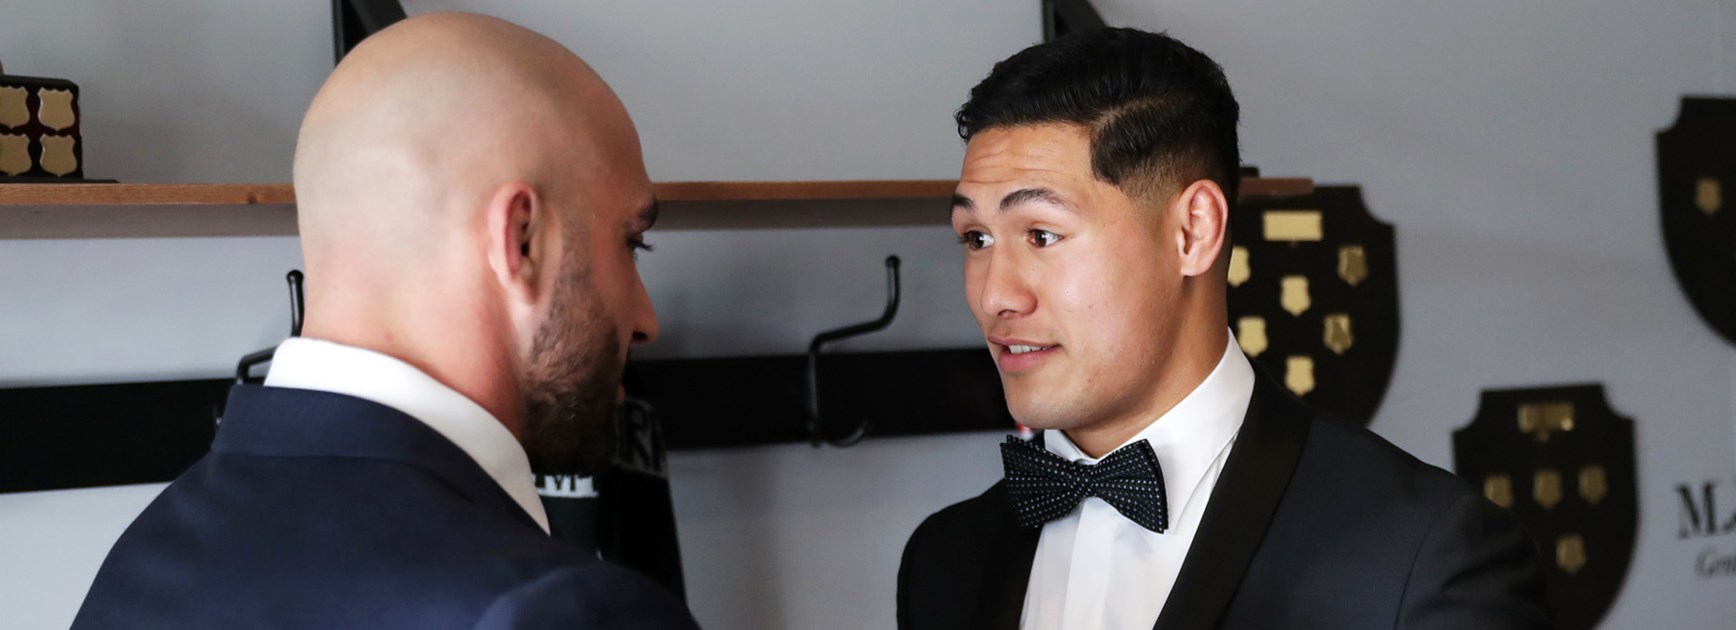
(1014, 354)
(1006, 343)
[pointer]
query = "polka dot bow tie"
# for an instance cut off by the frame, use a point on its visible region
(1044, 486)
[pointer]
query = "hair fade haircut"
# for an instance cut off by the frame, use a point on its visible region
(1160, 114)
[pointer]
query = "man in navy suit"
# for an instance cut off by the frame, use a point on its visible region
(470, 198)
(1175, 486)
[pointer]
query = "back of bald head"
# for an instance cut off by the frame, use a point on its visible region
(404, 142)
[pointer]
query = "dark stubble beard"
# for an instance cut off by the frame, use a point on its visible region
(575, 370)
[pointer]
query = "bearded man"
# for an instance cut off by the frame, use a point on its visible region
(470, 199)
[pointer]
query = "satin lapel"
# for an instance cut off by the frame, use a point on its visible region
(1007, 570)
(1243, 503)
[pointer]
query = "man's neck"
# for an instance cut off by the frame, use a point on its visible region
(1097, 439)
(480, 376)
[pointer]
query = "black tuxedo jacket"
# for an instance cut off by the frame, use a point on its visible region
(1313, 523)
(318, 510)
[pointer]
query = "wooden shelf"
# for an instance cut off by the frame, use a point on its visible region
(805, 191)
(1276, 187)
(826, 204)
(47, 211)
(79, 211)
(146, 194)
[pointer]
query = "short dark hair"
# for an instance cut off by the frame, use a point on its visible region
(1158, 111)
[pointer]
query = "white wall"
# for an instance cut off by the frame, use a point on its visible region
(1510, 144)
(53, 544)
(1512, 147)
(178, 90)
(1727, 54)
(771, 89)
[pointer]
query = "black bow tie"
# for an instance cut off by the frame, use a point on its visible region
(1044, 486)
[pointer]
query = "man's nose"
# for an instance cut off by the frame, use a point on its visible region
(645, 326)
(1005, 292)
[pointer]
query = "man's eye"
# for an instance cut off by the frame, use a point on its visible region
(976, 240)
(1044, 238)
(639, 245)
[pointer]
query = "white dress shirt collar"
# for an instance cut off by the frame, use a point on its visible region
(1095, 568)
(303, 363)
(1192, 434)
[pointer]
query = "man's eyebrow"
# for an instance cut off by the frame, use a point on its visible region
(1038, 195)
(647, 216)
(961, 202)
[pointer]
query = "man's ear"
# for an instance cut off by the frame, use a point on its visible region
(516, 221)
(1204, 226)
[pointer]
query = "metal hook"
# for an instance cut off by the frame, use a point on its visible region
(297, 312)
(297, 302)
(816, 435)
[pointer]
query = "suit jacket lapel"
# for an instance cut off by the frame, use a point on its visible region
(1007, 570)
(1243, 503)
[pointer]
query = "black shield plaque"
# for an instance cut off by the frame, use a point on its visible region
(1314, 296)
(1696, 178)
(1563, 462)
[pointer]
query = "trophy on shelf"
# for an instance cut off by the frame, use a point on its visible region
(39, 130)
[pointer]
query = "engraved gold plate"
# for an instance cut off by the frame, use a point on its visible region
(1293, 225)
(13, 110)
(1709, 196)
(1540, 419)
(1293, 295)
(1352, 264)
(54, 109)
(1299, 374)
(1546, 488)
(1239, 269)
(14, 154)
(1338, 337)
(1251, 335)
(1593, 484)
(1570, 553)
(1498, 488)
(58, 156)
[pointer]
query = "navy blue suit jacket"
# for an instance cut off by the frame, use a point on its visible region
(318, 510)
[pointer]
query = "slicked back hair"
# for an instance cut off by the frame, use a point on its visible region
(1159, 113)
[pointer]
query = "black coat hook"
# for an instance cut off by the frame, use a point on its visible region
(816, 432)
(297, 302)
(297, 311)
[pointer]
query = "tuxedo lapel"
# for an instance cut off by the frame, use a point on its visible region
(1007, 570)
(1242, 505)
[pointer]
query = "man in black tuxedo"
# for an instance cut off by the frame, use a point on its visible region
(470, 197)
(1174, 485)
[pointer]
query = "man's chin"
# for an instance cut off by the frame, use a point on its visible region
(585, 461)
(1031, 414)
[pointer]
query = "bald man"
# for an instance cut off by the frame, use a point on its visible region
(470, 197)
